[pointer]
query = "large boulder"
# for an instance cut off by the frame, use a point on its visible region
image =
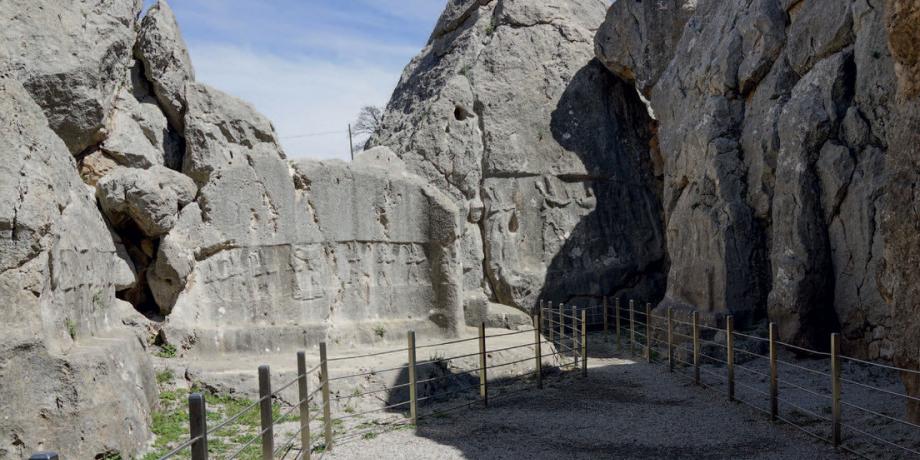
(166, 61)
(149, 198)
(69, 368)
(545, 154)
(71, 57)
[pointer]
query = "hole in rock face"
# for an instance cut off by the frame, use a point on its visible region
(142, 250)
(461, 114)
(513, 224)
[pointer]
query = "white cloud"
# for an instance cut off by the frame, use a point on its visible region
(302, 96)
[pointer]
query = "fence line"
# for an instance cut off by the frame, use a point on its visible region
(639, 326)
(573, 343)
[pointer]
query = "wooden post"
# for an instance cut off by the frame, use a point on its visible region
(303, 392)
(265, 411)
(584, 344)
(648, 332)
(198, 425)
(549, 323)
(670, 339)
(538, 353)
(774, 381)
(575, 346)
(413, 395)
(619, 343)
(696, 347)
(606, 334)
(483, 381)
(327, 408)
(835, 387)
(632, 326)
(561, 328)
(730, 355)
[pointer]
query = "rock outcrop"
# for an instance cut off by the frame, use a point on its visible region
(545, 153)
(128, 189)
(901, 212)
(64, 352)
(773, 120)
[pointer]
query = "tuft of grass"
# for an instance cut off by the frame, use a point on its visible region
(490, 29)
(370, 435)
(165, 376)
(71, 328)
(380, 331)
(167, 350)
(99, 299)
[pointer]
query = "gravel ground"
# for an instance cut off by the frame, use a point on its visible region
(623, 409)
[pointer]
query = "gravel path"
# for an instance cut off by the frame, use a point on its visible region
(623, 409)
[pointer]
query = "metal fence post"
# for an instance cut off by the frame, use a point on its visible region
(538, 353)
(606, 333)
(549, 323)
(303, 393)
(413, 395)
(730, 355)
(584, 344)
(198, 425)
(696, 347)
(835, 387)
(265, 410)
(619, 343)
(483, 380)
(648, 332)
(670, 339)
(327, 408)
(774, 381)
(632, 326)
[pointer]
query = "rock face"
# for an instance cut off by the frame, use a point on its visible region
(168, 67)
(773, 123)
(64, 352)
(71, 57)
(901, 211)
(187, 212)
(545, 153)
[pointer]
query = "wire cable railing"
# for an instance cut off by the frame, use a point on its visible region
(436, 387)
(660, 338)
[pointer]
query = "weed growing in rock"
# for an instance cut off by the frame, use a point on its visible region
(379, 331)
(167, 350)
(165, 376)
(71, 328)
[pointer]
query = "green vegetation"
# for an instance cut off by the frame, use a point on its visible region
(167, 350)
(165, 376)
(99, 299)
(71, 328)
(379, 331)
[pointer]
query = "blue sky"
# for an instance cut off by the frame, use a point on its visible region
(308, 65)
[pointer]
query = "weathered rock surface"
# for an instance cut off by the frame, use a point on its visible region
(168, 67)
(64, 353)
(900, 214)
(329, 252)
(71, 57)
(544, 152)
(638, 39)
(772, 124)
(151, 198)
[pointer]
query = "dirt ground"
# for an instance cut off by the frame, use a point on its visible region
(623, 409)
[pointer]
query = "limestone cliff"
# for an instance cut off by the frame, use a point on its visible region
(545, 152)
